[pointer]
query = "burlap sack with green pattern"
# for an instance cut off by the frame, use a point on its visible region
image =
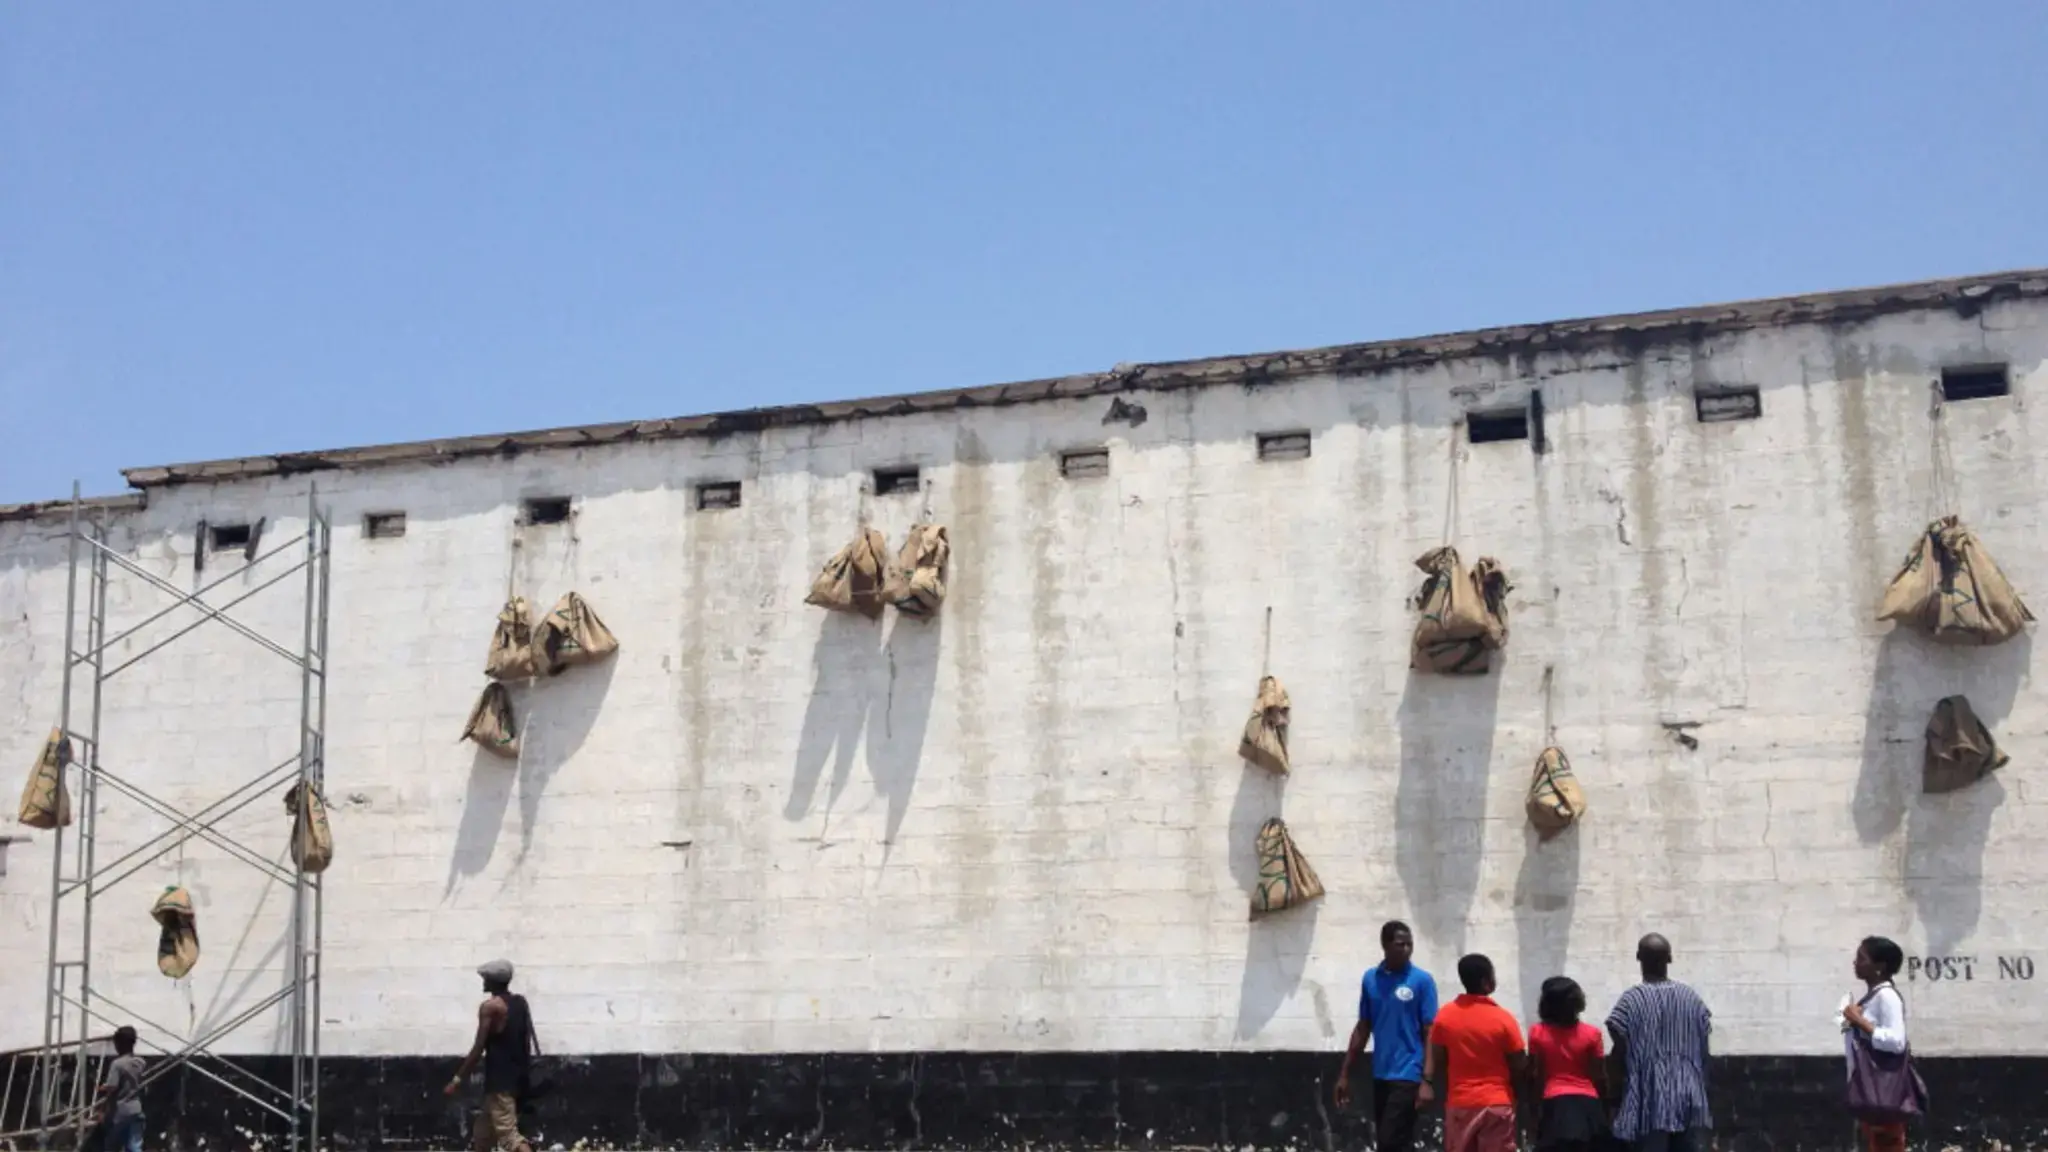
(177, 945)
(1285, 879)
(491, 725)
(1960, 750)
(511, 655)
(1950, 589)
(46, 802)
(1265, 734)
(916, 583)
(312, 839)
(571, 634)
(851, 581)
(1464, 614)
(1555, 799)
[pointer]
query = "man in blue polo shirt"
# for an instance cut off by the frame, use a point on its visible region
(1396, 1006)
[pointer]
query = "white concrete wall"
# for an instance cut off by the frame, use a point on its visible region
(1024, 825)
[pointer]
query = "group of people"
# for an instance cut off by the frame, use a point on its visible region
(1659, 1028)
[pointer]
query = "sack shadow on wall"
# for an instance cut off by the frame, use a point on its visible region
(1446, 726)
(555, 715)
(1943, 863)
(1277, 945)
(1545, 891)
(871, 693)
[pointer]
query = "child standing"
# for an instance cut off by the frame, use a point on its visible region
(121, 1094)
(1568, 1060)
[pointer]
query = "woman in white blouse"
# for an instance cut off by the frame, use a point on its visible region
(1882, 1017)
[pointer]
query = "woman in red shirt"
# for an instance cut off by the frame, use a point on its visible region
(1567, 1058)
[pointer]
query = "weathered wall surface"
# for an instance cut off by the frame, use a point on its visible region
(1023, 826)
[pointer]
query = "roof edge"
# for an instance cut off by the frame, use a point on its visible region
(1966, 293)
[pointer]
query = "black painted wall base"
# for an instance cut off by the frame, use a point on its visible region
(957, 1100)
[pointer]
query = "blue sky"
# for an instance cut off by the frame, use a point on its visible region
(232, 229)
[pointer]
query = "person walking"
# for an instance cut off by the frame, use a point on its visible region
(121, 1094)
(1567, 1059)
(1660, 1029)
(1883, 1088)
(1396, 1006)
(505, 1044)
(1479, 1047)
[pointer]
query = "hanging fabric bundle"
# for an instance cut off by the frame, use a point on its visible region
(1951, 589)
(571, 634)
(1285, 879)
(1464, 614)
(916, 583)
(46, 802)
(1555, 800)
(490, 723)
(312, 840)
(511, 656)
(851, 581)
(1265, 734)
(177, 947)
(1960, 750)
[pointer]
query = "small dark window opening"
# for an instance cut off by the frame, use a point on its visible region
(228, 537)
(725, 494)
(546, 510)
(384, 525)
(1283, 445)
(895, 481)
(1721, 403)
(1976, 382)
(1493, 427)
(1085, 463)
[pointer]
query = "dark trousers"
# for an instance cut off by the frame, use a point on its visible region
(1393, 1115)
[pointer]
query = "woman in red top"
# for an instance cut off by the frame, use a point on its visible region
(1567, 1058)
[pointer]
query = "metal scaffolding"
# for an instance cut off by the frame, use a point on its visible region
(78, 1015)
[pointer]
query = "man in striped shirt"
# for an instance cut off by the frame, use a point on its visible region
(1660, 1030)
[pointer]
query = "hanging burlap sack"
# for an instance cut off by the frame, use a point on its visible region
(1951, 589)
(1555, 799)
(177, 946)
(46, 802)
(490, 723)
(1285, 879)
(1464, 614)
(312, 839)
(1265, 734)
(1960, 750)
(916, 583)
(511, 655)
(571, 634)
(851, 581)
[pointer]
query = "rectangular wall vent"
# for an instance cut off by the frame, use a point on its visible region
(725, 494)
(228, 537)
(1721, 403)
(1085, 463)
(1498, 425)
(545, 510)
(1283, 445)
(384, 525)
(896, 481)
(1975, 382)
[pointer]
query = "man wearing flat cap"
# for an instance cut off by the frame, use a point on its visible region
(505, 1044)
